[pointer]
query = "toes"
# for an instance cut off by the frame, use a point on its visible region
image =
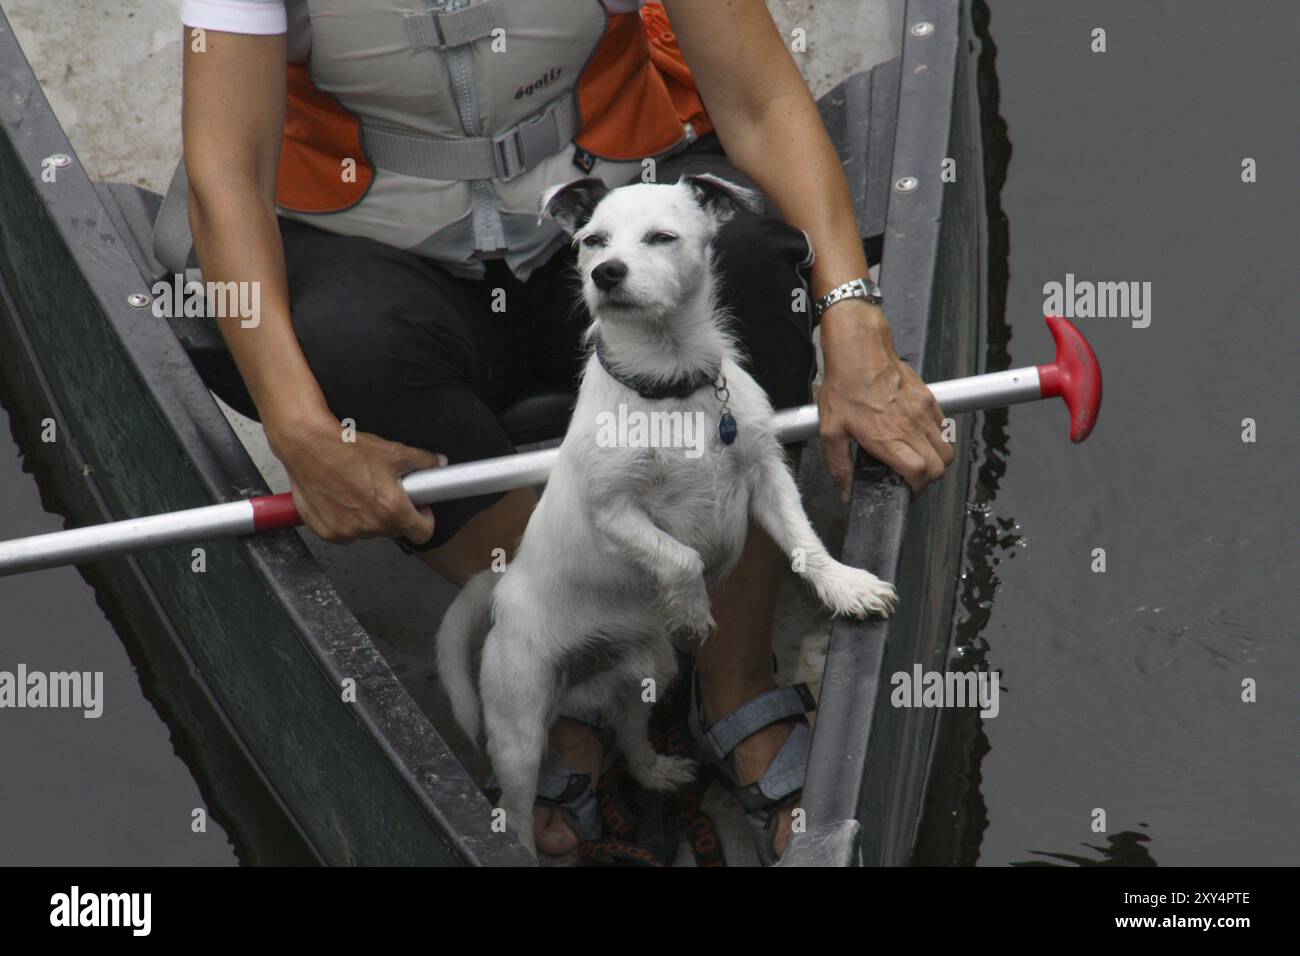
(783, 832)
(552, 835)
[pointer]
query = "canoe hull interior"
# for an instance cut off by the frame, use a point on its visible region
(287, 689)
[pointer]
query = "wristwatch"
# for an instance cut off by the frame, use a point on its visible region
(862, 288)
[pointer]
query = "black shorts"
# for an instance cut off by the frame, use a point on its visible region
(418, 356)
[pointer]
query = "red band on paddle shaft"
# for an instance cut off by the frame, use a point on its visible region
(275, 511)
(1075, 376)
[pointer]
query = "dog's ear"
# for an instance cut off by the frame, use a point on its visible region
(720, 198)
(572, 204)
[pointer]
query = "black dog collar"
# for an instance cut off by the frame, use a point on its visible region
(654, 388)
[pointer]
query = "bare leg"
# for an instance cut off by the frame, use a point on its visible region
(470, 550)
(577, 746)
(735, 663)
(466, 554)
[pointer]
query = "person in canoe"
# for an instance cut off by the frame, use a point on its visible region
(375, 165)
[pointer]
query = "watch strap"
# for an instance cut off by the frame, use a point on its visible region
(861, 288)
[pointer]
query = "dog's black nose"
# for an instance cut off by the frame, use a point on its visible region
(608, 274)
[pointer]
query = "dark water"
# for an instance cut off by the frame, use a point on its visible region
(106, 790)
(1123, 689)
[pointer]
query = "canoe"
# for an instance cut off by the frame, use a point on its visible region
(290, 670)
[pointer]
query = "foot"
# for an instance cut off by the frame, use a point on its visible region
(755, 754)
(578, 745)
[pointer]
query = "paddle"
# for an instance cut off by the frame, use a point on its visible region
(1075, 377)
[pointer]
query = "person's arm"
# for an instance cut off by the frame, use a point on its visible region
(232, 119)
(771, 129)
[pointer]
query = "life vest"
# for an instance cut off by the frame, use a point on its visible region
(436, 126)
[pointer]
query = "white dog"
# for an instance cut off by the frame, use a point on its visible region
(619, 553)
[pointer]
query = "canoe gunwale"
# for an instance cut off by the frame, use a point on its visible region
(870, 764)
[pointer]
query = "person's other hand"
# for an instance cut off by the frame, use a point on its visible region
(872, 396)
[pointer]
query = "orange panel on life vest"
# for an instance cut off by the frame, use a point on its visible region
(319, 134)
(668, 60)
(635, 94)
(628, 110)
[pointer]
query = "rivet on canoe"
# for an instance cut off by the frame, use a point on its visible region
(906, 184)
(923, 29)
(57, 160)
(137, 300)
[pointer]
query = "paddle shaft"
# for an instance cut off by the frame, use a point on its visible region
(1075, 377)
(238, 518)
(791, 425)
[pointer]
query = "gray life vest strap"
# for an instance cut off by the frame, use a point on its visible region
(172, 241)
(503, 156)
(438, 31)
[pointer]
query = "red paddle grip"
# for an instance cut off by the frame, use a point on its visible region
(1075, 376)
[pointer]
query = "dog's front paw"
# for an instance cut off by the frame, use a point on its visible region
(692, 632)
(852, 592)
(666, 773)
(690, 614)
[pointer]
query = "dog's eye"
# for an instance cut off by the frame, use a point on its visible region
(593, 240)
(659, 238)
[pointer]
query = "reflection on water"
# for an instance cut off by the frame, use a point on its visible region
(1122, 849)
(157, 779)
(109, 790)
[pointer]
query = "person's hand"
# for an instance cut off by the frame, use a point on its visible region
(872, 396)
(346, 490)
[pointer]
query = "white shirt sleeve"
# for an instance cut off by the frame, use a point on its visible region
(261, 17)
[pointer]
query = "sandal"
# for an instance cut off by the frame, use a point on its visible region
(782, 784)
(572, 793)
